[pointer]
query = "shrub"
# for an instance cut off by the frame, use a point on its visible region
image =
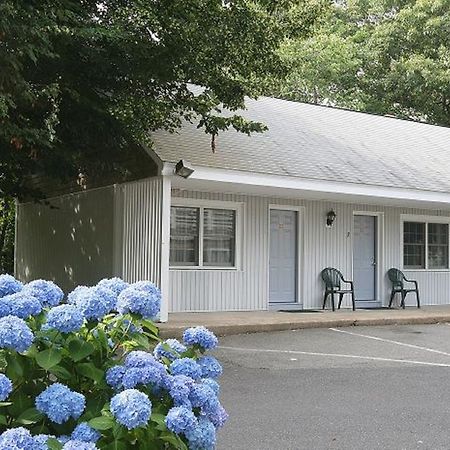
(92, 373)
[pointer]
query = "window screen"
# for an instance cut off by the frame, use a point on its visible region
(414, 245)
(438, 246)
(184, 236)
(219, 230)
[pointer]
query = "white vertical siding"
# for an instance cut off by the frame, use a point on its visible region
(247, 289)
(70, 242)
(140, 248)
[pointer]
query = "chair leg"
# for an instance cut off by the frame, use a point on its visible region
(402, 304)
(392, 298)
(341, 296)
(325, 299)
(332, 301)
(353, 300)
(418, 298)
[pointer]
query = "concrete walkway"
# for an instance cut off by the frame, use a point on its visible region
(228, 323)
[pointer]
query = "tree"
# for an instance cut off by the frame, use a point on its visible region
(6, 235)
(386, 57)
(82, 81)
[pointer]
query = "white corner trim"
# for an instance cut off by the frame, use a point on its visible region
(165, 249)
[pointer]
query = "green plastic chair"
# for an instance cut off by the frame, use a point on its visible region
(333, 279)
(397, 278)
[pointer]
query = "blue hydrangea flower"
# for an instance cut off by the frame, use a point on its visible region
(200, 336)
(59, 403)
(114, 376)
(175, 348)
(131, 408)
(77, 292)
(23, 305)
(218, 416)
(65, 318)
(180, 419)
(202, 436)
(84, 432)
(47, 292)
(15, 334)
(151, 288)
(5, 387)
(9, 285)
(5, 307)
(139, 358)
(186, 366)
(211, 368)
(40, 442)
(143, 375)
(79, 445)
(16, 439)
(115, 284)
(179, 389)
(63, 439)
(137, 301)
(108, 296)
(92, 303)
(213, 384)
(203, 397)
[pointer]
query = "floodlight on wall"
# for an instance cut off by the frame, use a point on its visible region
(331, 215)
(183, 168)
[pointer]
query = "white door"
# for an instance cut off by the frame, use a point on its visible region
(364, 258)
(283, 256)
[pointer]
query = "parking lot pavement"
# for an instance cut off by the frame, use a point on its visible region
(347, 388)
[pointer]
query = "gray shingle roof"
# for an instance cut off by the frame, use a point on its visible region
(321, 143)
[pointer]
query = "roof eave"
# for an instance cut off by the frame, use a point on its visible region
(209, 178)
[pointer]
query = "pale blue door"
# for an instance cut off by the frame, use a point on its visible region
(364, 258)
(283, 256)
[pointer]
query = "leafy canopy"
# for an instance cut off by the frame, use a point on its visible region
(380, 56)
(82, 80)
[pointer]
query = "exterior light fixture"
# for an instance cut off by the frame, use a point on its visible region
(331, 215)
(184, 168)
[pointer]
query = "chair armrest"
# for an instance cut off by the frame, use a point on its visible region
(347, 281)
(410, 281)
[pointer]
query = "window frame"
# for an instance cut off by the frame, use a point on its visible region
(202, 204)
(425, 220)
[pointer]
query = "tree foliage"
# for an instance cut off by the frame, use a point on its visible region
(381, 56)
(81, 80)
(7, 210)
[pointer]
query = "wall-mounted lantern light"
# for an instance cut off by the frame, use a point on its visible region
(331, 215)
(184, 168)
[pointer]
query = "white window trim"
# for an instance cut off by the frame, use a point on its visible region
(238, 207)
(426, 220)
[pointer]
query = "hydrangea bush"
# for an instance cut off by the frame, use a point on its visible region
(91, 372)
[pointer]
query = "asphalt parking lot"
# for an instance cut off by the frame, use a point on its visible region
(348, 388)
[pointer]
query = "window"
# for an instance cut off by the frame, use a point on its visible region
(438, 246)
(184, 236)
(202, 237)
(425, 245)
